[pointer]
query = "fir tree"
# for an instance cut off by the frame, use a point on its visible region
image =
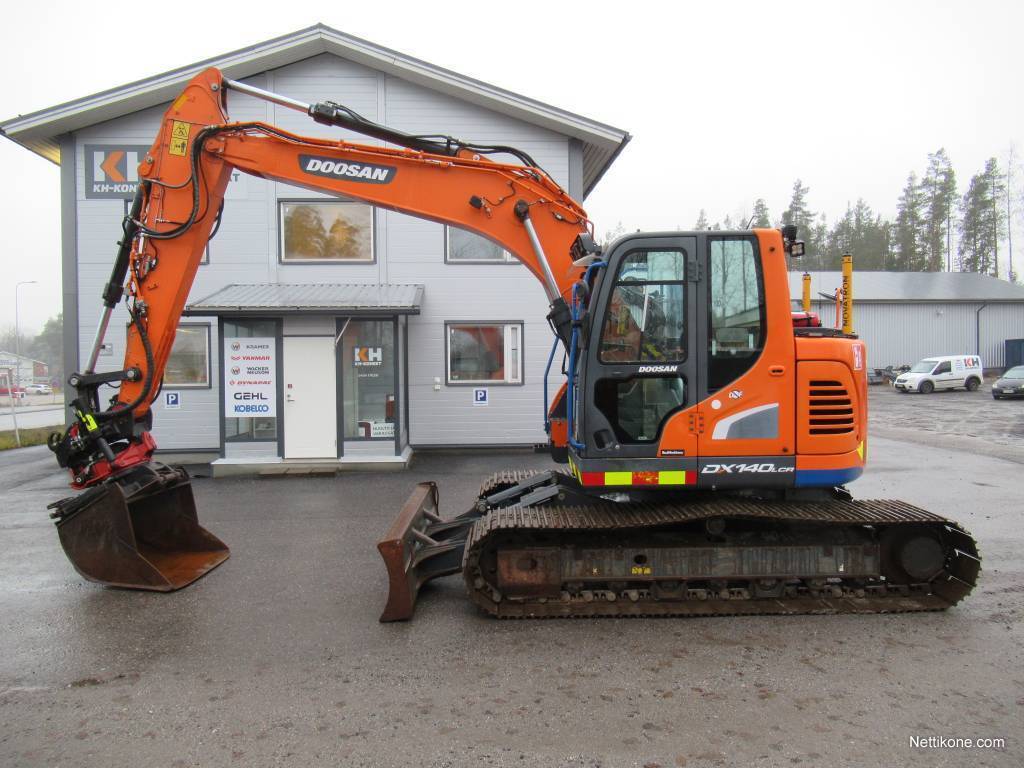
(760, 217)
(908, 229)
(938, 188)
(982, 221)
(702, 221)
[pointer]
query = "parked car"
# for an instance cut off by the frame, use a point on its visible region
(39, 389)
(1010, 384)
(947, 372)
(876, 376)
(16, 391)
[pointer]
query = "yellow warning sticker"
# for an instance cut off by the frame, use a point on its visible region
(640, 570)
(179, 138)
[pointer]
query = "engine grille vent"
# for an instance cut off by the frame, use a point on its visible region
(830, 408)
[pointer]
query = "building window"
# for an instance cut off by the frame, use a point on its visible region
(332, 230)
(249, 428)
(188, 365)
(368, 382)
(484, 353)
(465, 247)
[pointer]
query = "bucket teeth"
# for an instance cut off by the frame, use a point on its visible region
(139, 530)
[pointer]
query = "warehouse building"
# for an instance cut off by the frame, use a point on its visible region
(352, 334)
(906, 316)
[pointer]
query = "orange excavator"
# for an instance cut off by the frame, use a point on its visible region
(702, 442)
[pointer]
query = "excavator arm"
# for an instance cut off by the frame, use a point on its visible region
(108, 449)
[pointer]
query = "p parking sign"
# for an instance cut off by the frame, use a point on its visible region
(480, 396)
(172, 400)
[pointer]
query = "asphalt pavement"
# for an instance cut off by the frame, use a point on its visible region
(277, 658)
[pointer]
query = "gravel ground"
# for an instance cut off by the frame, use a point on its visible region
(277, 658)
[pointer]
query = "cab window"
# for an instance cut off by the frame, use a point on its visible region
(736, 322)
(646, 317)
(943, 368)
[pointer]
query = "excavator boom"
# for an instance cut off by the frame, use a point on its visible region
(125, 531)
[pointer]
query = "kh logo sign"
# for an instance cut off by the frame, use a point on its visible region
(367, 356)
(112, 171)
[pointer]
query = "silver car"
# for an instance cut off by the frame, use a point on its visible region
(1010, 384)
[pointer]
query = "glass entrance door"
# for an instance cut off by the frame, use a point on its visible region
(369, 380)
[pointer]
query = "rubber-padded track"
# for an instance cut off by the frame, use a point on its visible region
(568, 523)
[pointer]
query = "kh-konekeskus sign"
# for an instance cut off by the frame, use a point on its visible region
(112, 170)
(250, 377)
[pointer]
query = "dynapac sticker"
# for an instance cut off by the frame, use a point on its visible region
(367, 173)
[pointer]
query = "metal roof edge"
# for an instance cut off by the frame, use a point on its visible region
(294, 47)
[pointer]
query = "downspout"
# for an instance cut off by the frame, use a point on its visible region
(977, 332)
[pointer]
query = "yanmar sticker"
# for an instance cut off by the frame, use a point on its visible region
(366, 173)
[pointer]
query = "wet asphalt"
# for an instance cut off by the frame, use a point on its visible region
(277, 658)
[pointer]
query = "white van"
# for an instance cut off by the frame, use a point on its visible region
(947, 372)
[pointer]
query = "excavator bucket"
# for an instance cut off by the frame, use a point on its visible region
(419, 547)
(139, 531)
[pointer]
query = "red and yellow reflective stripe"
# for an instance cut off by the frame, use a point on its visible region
(668, 477)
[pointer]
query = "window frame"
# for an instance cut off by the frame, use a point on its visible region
(709, 310)
(618, 281)
(486, 382)
(282, 201)
(278, 420)
(209, 359)
(507, 257)
(340, 324)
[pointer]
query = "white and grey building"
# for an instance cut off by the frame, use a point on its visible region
(906, 316)
(358, 334)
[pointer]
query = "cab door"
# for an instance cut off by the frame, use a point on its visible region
(641, 366)
(747, 363)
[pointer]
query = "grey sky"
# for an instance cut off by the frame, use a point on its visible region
(726, 101)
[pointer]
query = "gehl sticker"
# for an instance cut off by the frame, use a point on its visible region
(732, 469)
(367, 173)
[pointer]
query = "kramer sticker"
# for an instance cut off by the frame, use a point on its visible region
(366, 173)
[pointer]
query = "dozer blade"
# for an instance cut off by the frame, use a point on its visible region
(139, 531)
(419, 547)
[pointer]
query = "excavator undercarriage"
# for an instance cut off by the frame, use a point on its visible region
(536, 545)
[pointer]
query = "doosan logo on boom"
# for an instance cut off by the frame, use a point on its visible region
(367, 173)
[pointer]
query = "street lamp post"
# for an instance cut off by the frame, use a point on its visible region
(17, 331)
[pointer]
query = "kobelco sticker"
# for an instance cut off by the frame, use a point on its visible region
(367, 173)
(112, 171)
(735, 469)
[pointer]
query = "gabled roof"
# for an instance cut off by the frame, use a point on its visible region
(912, 286)
(290, 297)
(39, 131)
